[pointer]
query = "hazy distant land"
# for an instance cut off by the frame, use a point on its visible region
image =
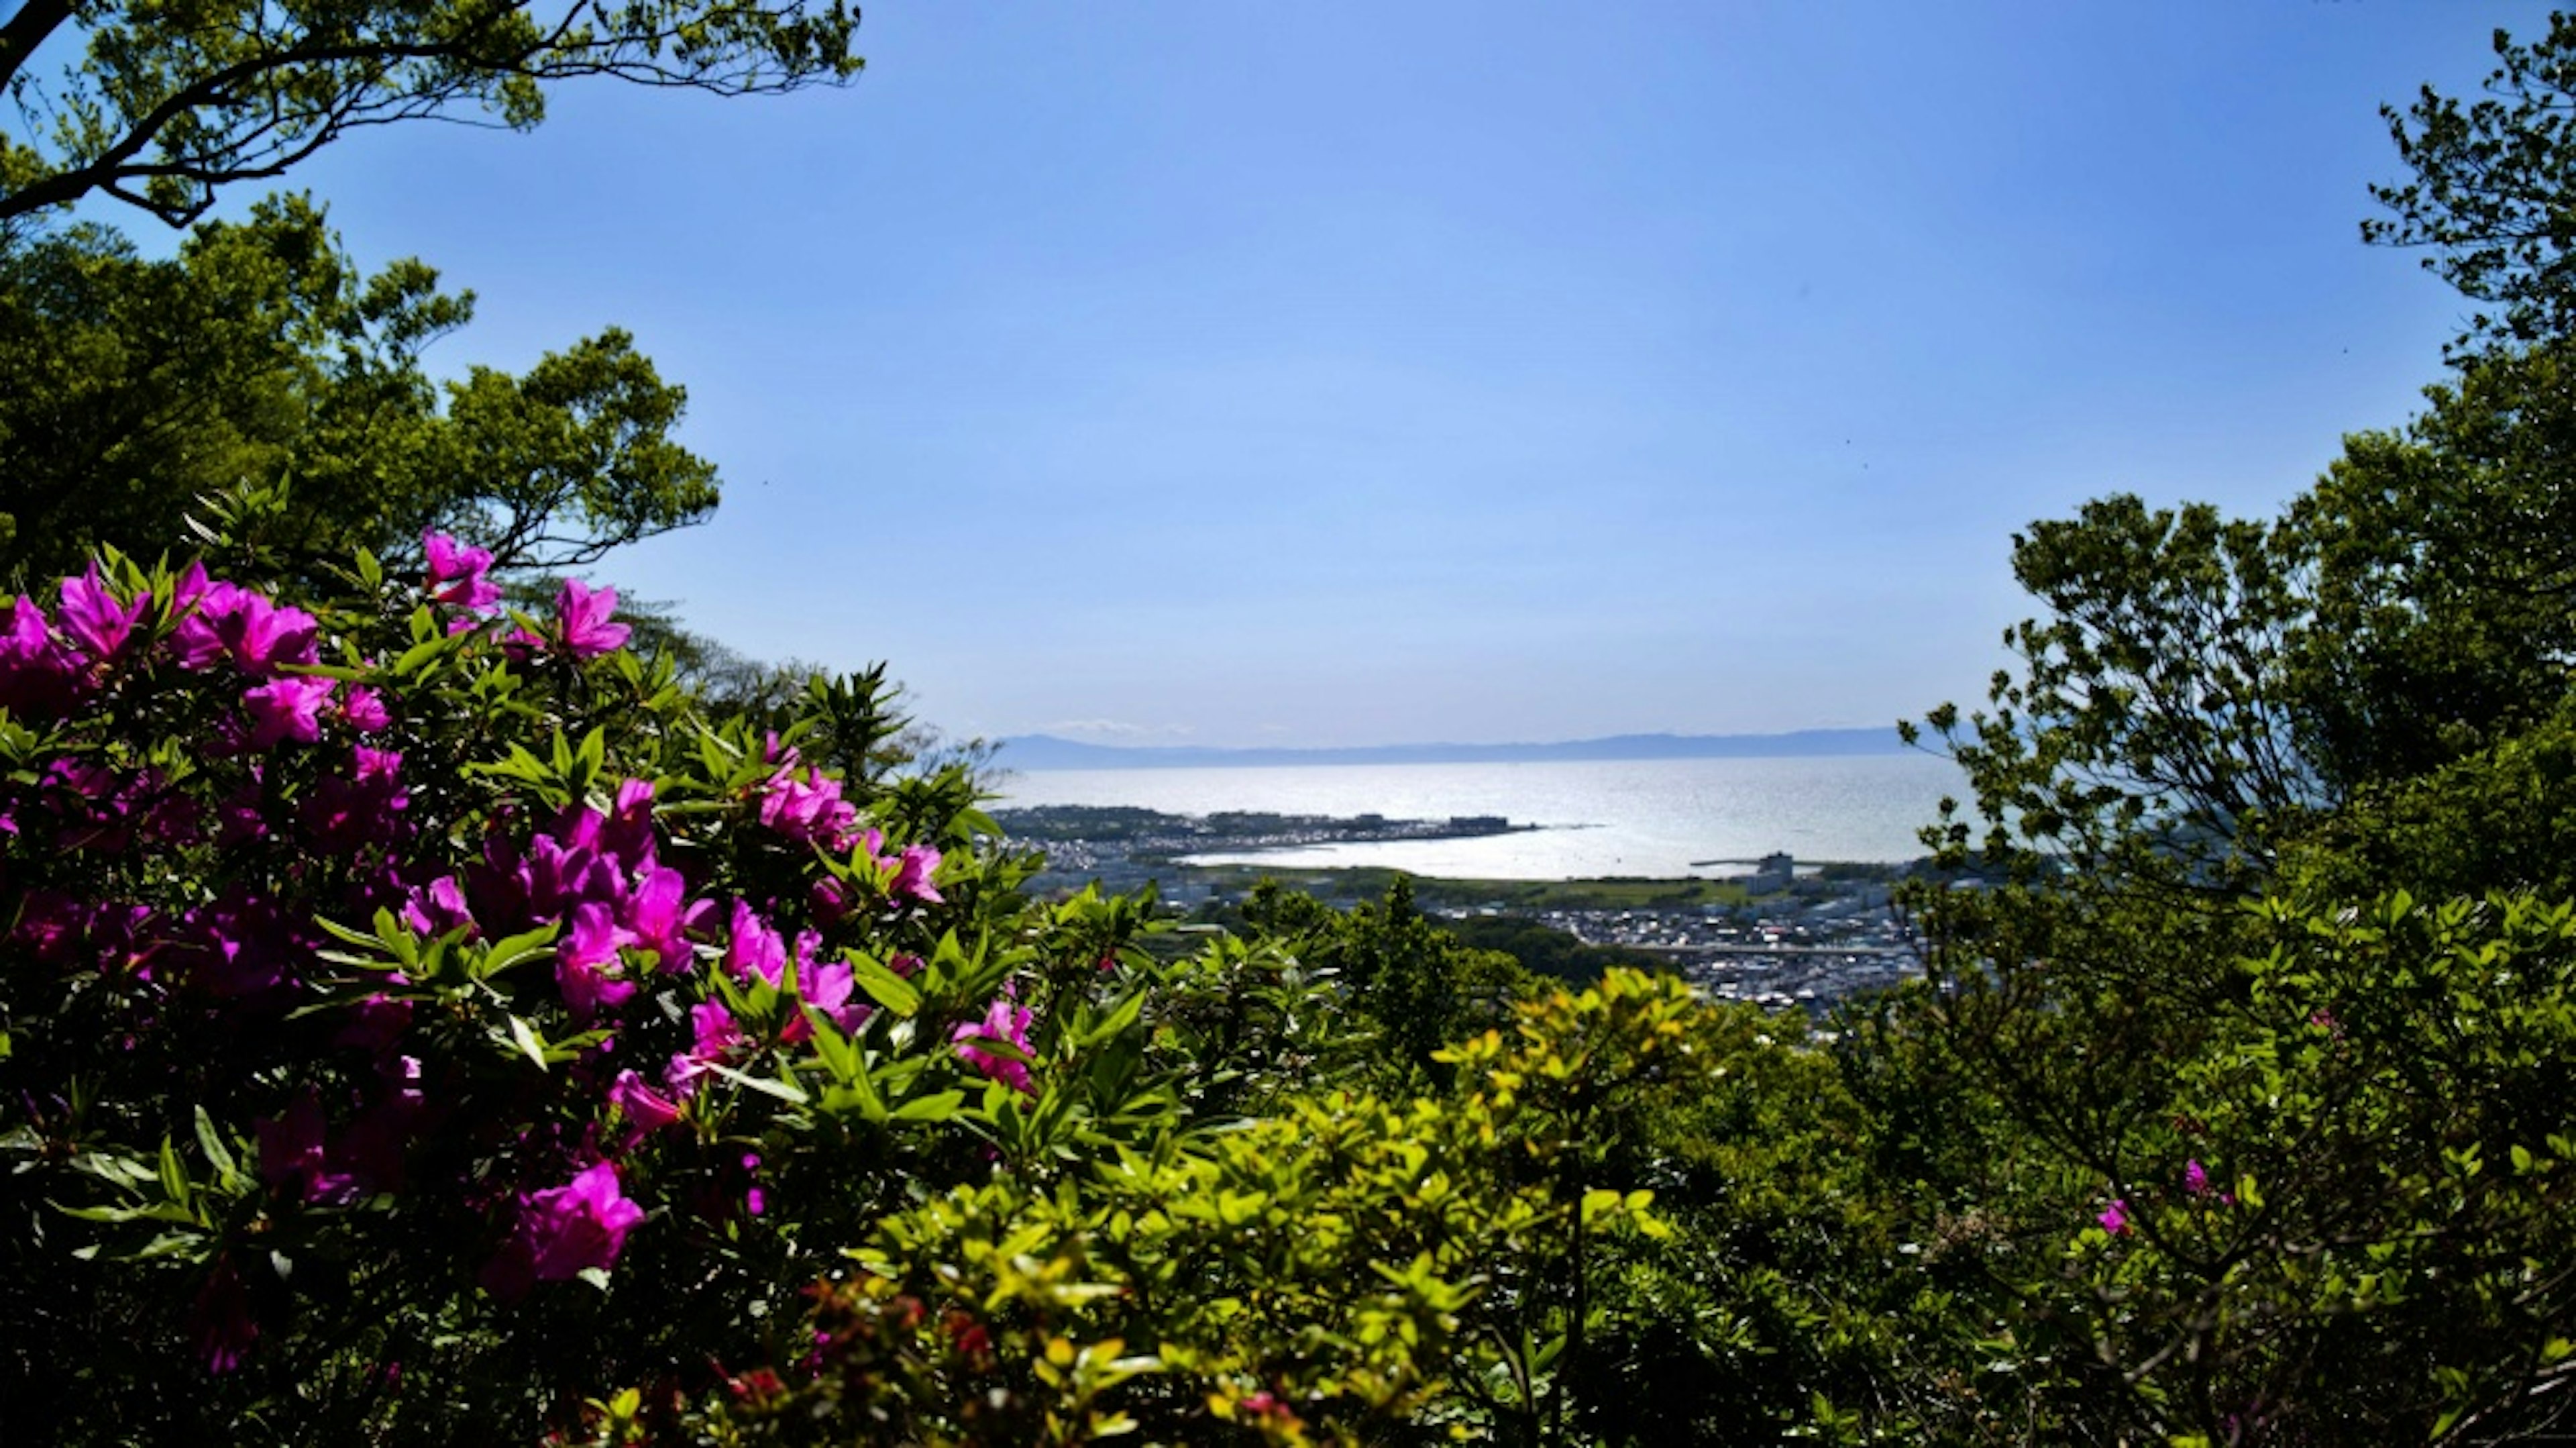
(1045, 751)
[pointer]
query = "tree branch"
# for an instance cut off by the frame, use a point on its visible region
(35, 22)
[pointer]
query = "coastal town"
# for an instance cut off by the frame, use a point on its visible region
(1774, 931)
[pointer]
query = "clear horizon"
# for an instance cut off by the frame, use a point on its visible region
(1793, 731)
(1169, 374)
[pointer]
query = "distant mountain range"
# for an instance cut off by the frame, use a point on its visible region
(1045, 751)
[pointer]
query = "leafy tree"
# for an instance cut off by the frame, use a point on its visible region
(2442, 563)
(132, 387)
(163, 108)
(2492, 190)
(1418, 987)
(2150, 728)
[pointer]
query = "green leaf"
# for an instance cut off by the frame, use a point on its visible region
(937, 1106)
(1118, 1021)
(787, 1091)
(213, 1145)
(594, 750)
(860, 1091)
(524, 1038)
(516, 950)
(409, 662)
(884, 986)
(840, 1057)
(156, 1212)
(343, 933)
(174, 1181)
(998, 1047)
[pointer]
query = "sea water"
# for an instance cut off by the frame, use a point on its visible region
(1649, 817)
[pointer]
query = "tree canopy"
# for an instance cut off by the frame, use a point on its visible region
(2494, 189)
(163, 107)
(260, 354)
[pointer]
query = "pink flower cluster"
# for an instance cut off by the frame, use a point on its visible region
(808, 806)
(458, 576)
(306, 788)
(756, 950)
(582, 626)
(597, 875)
(803, 803)
(46, 666)
(1005, 1021)
(562, 1232)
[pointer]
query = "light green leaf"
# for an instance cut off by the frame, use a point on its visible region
(884, 986)
(938, 1106)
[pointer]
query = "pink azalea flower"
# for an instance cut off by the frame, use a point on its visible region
(913, 878)
(584, 959)
(810, 808)
(658, 916)
(375, 1024)
(827, 988)
(457, 574)
(94, 619)
(565, 1231)
(2115, 1217)
(2195, 1178)
(717, 1035)
(583, 617)
(437, 908)
(583, 1224)
(284, 709)
(712, 1029)
(1006, 1020)
(375, 1143)
(28, 636)
(553, 879)
(257, 636)
(363, 807)
(363, 709)
(219, 1322)
(828, 901)
(36, 676)
(51, 923)
(291, 1155)
(238, 819)
(755, 949)
(626, 835)
(192, 585)
(646, 1109)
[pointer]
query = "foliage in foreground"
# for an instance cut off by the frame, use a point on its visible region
(427, 1022)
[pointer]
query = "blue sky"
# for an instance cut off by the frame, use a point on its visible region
(1356, 373)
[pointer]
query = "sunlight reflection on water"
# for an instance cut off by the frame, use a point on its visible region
(1652, 817)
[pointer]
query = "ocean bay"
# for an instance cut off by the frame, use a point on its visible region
(1661, 818)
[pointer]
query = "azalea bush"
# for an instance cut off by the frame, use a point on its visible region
(414, 1014)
